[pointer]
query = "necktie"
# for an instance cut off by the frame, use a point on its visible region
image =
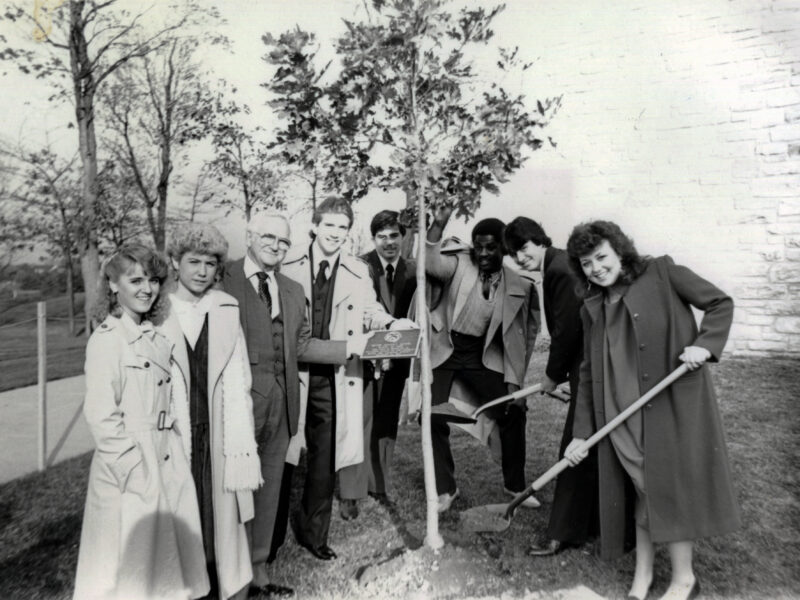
(263, 290)
(321, 276)
(389, 277)
(486, 285)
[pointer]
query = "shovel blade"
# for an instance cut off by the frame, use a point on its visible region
(449, 413)
(486, 519)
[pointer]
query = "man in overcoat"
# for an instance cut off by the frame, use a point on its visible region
(394, 280)
(343, 304)
(574, 513)
(482, 334)
(274, 318)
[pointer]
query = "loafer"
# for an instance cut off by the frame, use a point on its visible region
(322, 552)
(549, 548)
(348, 509)
(446, 500)
(529, 502)
(271, 590)
(380, 498)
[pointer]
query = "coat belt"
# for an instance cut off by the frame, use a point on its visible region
(157, 422)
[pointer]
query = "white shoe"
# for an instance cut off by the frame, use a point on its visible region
(529, 502)
(445, 500)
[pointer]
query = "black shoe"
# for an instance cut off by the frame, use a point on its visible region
(348, 509)
(322, 552)
(550, 548)
(271, 590)
(381, 498)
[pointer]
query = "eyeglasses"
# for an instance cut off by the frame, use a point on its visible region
(267, 239)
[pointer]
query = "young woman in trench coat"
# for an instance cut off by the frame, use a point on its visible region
(665, 470)
(141, 528)
(212, 403)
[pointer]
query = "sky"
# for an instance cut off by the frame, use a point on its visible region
(31, 119)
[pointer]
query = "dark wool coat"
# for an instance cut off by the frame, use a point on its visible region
(689, 490)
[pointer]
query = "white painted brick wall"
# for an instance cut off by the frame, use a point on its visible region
(680, 120)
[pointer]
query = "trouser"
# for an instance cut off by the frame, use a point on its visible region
(387, 395)
(574, 515)
(354, 479)
(314, 516)
(282, 518)
(272, 438)
(486, 385)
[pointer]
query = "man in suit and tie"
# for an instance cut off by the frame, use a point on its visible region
(482, 334)
(278, 335)
(394, 280)
(343, 304)
(574, 514)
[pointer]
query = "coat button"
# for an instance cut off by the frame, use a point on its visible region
(349, 307)
(146, 365)
(641, 346)
(645, 377)
(166, 457)
(160, 381)
(349, 332)
(351, 383)
(636, 316)
(169, 379)
(104, 325)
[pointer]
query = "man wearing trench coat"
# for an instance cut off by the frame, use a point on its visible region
(689, 489)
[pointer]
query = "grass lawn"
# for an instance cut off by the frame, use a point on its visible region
(40, 518)
(18, 351)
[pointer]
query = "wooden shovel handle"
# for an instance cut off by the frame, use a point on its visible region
(531, 389)
(563, 464)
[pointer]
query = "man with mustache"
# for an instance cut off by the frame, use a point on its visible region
(482, 335)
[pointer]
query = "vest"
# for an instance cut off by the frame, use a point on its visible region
(321, 313)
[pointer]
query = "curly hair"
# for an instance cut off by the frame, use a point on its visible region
(201, 238)
(119, 263)
(588, 236)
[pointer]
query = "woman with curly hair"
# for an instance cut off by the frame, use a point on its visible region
(664, 472)
(141, 526)
(211, 398)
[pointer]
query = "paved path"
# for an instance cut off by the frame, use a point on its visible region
(67, 432)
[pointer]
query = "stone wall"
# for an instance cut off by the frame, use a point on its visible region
(681, 121)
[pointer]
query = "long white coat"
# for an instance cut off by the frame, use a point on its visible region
(231, 509)
(355, 309)
(141, 536)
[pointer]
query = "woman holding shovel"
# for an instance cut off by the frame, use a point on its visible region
(664, 472)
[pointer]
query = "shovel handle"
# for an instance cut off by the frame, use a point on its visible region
(563, 464)
(531, 389)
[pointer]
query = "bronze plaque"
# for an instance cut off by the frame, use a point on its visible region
(402, 343)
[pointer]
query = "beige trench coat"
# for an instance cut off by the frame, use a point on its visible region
(355, 309)
(141, 526)
(231, 509)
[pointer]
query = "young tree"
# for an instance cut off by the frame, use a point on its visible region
(80, 43)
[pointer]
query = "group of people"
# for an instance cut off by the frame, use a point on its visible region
(203, 390)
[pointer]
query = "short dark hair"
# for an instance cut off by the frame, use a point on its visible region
(384, 220)
(588, 236)
(333, 204)
(489, 226)
(523, 230)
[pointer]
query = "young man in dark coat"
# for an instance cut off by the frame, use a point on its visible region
(574, 513)
(394, 280)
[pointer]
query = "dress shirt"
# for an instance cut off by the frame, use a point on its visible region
(250, 271)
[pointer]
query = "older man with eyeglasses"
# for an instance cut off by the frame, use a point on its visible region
(278, 334)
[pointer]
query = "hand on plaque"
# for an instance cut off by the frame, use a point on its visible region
(357, 342)
(403, 324)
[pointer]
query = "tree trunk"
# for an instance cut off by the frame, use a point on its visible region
(84, 88)
(407, 245)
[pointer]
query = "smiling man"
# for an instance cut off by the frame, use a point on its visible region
(574, 513)
(278, 335)
(343, 303)
(483, 332)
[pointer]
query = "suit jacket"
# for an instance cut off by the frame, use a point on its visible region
(355, 309)
(298, 345)
(562, 311)
(516, 314)
(404, 285)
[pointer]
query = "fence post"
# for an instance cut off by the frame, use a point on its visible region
(41, 345)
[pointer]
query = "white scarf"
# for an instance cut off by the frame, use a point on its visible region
(242, 466)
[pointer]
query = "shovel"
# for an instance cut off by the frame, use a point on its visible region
(447, 412)
(497, 517)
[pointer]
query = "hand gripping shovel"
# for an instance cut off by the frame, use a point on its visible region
(447, 412)
(497, 517)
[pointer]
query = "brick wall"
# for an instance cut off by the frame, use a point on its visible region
(681, 121)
